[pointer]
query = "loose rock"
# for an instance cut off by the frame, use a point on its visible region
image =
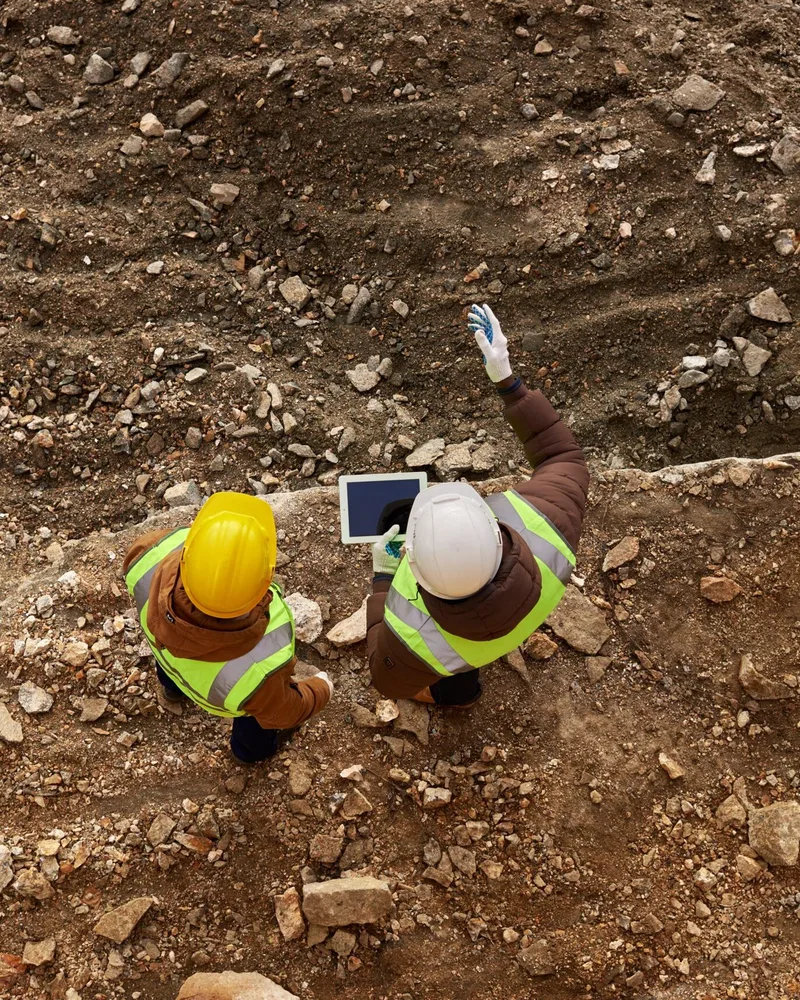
(672, 767)
(183, 495)
(232, 986)
(623, 552)
(150, 126)
(60, 35)
(537, 959)
(34, 699)
(757, 685)
(786, 155)
(224, 194)
(719, 589)
(38, 953)
(117, 925)
(413, 718)
(190, 114)
(346, 901)
(579, 622)
(697, 94)
(33, 884)
(426, 454)
(774, 833)
(10, 729)
(352, 629)
(363, 378)
(295, 291)
(289, 915)
(768, 305)
(307, 617)
(98, 71)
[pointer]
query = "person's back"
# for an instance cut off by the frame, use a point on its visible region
(478, 577)
(218, 626)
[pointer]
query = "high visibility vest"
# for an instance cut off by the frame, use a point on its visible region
(219, 688)
(407, 617)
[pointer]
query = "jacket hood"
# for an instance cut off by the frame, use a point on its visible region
(499, 606)
(187, 632)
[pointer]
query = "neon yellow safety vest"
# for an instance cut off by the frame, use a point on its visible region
(408, 618)
(219, 688)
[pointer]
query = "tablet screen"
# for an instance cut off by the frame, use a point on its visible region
(374, 504)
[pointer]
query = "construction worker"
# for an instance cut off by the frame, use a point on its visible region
(477, 577)
(220, 631)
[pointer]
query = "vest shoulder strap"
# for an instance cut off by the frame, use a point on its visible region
(545, 541)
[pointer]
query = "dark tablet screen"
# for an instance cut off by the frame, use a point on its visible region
(375, 505)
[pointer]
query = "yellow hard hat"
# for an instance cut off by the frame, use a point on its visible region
(228, 558)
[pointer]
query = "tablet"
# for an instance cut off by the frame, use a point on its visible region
(369, 505)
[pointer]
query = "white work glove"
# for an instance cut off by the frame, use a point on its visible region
(323, 676)
(492, 341)
(386, 552)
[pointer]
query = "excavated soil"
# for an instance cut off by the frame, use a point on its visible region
(421, 158)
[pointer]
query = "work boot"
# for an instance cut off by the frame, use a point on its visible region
(282, 737)
(170, 701)
(427, 698)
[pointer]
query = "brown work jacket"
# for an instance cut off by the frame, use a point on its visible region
(557, 488)
(282, 702)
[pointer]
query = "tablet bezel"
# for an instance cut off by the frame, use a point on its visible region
(377, 477)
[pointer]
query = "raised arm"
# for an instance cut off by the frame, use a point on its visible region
(560, 480)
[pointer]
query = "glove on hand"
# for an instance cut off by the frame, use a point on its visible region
(492, 341)
(324, 677)
(386, 552)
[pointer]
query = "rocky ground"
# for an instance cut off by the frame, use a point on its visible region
(237, 242)
(619, 814)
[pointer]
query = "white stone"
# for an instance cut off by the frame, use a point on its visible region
(352, 629)
(150, 126)
(33, 699)
(694, 361)
(707, 173)
(183, 494)
(426, 454)
(307, 617)
(363, 378)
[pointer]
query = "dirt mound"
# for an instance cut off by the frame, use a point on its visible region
(401, 163)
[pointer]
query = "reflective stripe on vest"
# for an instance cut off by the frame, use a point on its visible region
(407, 617)
(220, 688)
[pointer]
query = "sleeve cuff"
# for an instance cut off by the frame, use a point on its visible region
(510, 388)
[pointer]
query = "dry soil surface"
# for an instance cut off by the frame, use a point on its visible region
(267, 288)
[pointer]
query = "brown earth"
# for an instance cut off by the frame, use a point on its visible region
(599, 320)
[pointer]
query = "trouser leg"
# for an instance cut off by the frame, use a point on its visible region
(460, 689)
(251, 743)
(167, 682)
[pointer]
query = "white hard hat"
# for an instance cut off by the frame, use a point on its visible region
(453, 541)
